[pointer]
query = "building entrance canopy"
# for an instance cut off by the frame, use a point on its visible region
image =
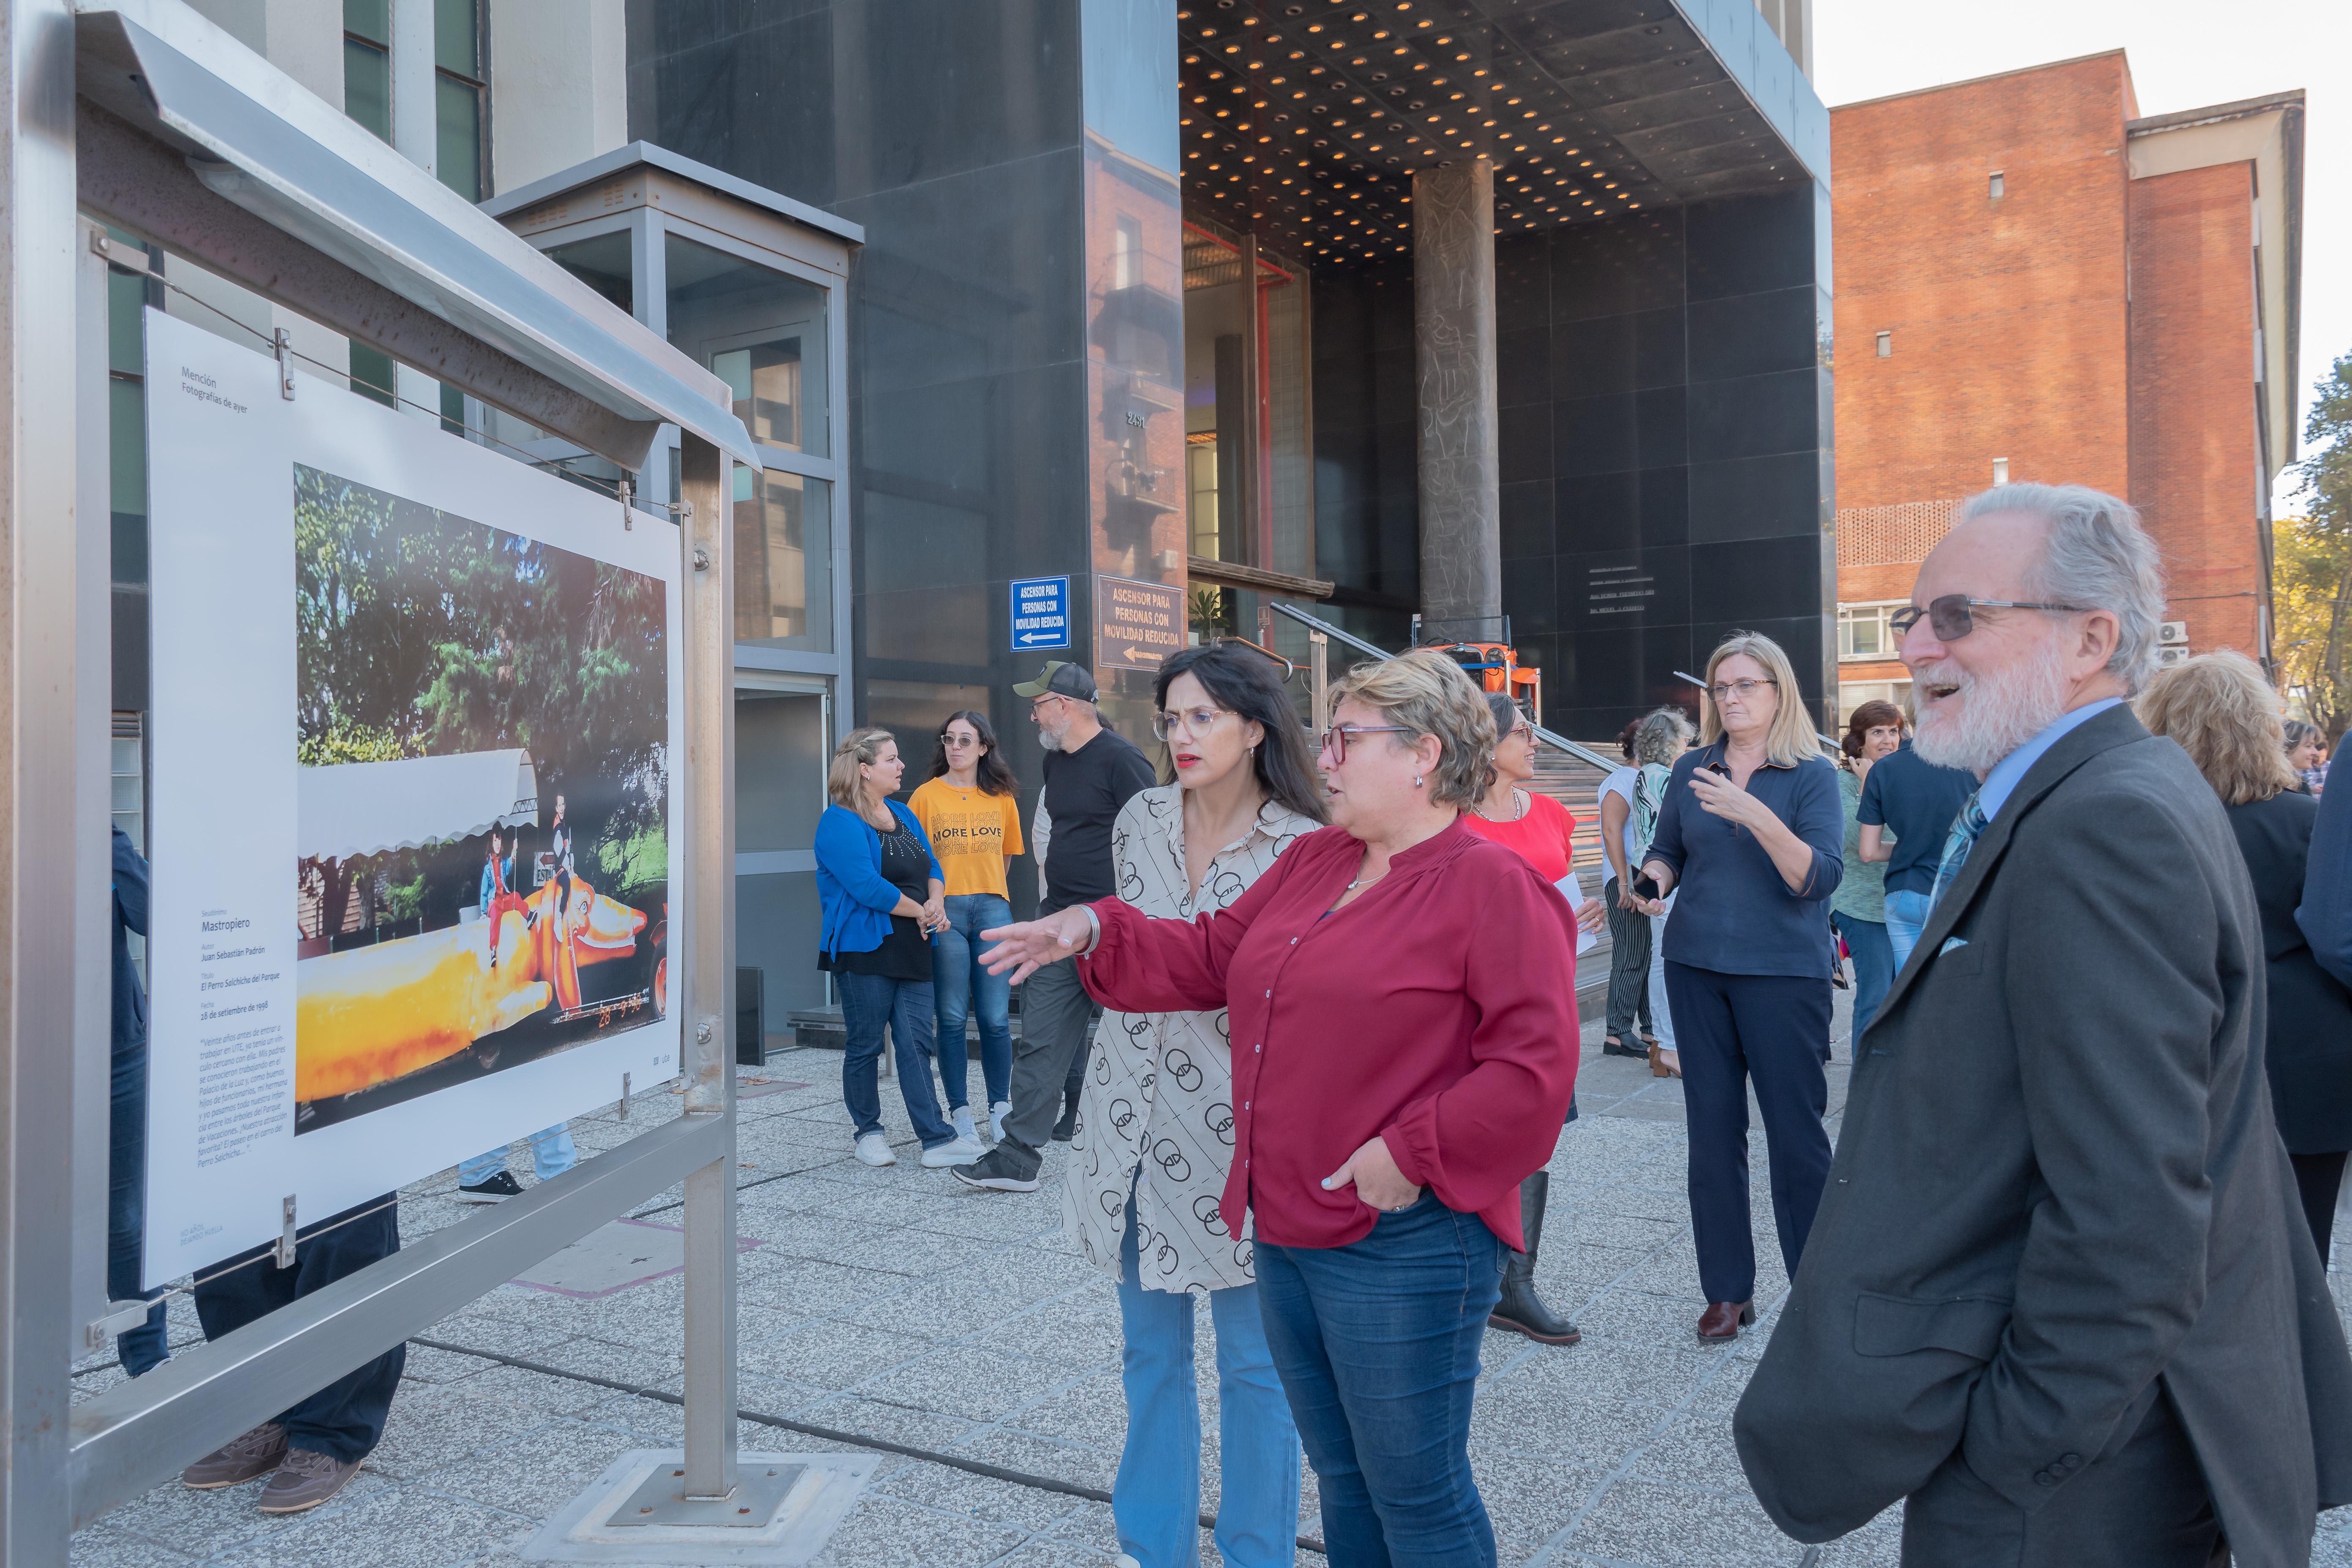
(430, 280)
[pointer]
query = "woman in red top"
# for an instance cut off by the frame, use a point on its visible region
(1540, 830)
(1403, 1053)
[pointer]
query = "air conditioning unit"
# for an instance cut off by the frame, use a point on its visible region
(2171, 655)
(2173, 634)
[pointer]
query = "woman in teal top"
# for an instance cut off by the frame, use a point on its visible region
(1860, 901)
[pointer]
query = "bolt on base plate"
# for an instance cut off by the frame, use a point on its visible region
(784, 1509)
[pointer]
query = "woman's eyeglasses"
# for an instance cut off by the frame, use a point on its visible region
(1192, 721)
(958, 742)
(1950, 617)
(1334, 739)
(1726, 690)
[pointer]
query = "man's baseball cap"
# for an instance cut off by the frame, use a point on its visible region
(1059, 680)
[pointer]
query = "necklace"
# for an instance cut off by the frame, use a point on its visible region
(1520, 802)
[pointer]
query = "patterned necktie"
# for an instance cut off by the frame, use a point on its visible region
(1957, 843)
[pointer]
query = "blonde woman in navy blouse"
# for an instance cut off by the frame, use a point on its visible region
(1753, 835)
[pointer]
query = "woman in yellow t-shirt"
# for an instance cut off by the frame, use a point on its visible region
(968, 809)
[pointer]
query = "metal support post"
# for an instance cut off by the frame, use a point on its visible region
(1319, 681)
(708, 1055)
(93, 910)
(39, 238)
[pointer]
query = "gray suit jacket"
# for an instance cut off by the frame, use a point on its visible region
(2059, 1181)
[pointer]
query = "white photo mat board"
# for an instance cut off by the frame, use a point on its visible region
(222, 447)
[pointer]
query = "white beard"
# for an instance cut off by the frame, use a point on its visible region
(1050, 739)
(1989, 717)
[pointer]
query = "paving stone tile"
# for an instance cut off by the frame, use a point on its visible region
(1533, 1417)
(971, 1381)
(1092, 1412)
(533, 1475)
(830, 1355)
(392, 1528)
(890, 1422)
(1648, 1522)
(102, 1546)
(951, 1490)
(1038, 1457)
(1529, 1501)
(884, 1532)
(430, 1426)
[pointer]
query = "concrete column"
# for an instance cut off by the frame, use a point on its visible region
(1454, 358)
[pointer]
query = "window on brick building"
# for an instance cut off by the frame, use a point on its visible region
(2000, 471)
(1862, 631)
(1885, 345)
(1994, 185)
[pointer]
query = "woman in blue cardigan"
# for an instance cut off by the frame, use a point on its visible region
(882, 893)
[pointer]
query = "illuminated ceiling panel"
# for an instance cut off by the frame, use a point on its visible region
(1304, 120)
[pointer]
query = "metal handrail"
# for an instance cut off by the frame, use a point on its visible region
(1316, 623)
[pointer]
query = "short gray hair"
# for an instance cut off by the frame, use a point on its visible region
(2094, 554)
(1661, 737)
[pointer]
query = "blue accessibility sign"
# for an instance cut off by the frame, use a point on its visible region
(1041, 612)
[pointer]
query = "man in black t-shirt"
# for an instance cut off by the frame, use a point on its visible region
(1090, 773)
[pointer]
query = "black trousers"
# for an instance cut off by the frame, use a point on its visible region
(2318, 1179)
(1629, 967)
(2142, 1506)
(343, 1420)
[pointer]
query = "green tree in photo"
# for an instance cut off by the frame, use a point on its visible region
(2311, 581)
(422, 633)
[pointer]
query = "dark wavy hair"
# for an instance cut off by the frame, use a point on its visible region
(994, 777)
(1625, 738)
(1870, 716)
(1243, 681)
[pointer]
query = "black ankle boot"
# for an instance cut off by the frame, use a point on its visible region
(1521, 1310)
(1067, 1127)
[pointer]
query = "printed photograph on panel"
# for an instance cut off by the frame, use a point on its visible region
(483, 858)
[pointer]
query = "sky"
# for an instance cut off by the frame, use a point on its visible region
(2183, 53)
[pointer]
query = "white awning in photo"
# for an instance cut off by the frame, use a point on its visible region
(369, 808)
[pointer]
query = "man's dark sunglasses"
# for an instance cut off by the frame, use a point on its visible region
(1952, 616)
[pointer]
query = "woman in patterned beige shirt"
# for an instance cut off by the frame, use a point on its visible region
(1155, 1131)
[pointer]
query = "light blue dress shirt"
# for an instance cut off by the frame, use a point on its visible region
(1999, 783)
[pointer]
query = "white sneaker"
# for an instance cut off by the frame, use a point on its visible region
(996, 1115)
(1124, 1560)
(962, 1151)
(874, 1149)
(963, 1126)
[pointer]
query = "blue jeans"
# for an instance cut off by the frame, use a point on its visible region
(1873, 967)
(869, 1003)
(1906, 917)
(1157, 1498)
(962, 985)
(552, 1154)
(1377, 1342)
(143, 1348)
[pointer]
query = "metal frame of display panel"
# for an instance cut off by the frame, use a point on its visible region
(140, 112)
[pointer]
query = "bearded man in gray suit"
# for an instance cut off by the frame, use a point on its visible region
(2059, 1297)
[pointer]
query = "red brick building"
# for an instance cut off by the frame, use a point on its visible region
(2035, 282)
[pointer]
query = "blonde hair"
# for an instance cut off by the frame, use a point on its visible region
(843, 784)
(1425, 693)
(2228, 718)
(1789, 739)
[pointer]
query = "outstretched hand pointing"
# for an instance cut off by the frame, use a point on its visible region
(1033, 944)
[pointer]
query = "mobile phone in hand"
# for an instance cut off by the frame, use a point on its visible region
(1646, 887)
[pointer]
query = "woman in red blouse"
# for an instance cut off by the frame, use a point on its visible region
(1403, 1053)
(1542, 831)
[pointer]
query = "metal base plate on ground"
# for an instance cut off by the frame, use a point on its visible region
(785, 1510)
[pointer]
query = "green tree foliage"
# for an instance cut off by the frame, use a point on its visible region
(2312, 586)
(421, 633)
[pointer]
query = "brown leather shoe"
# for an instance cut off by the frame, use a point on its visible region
(1722, 1319)
(305, 1478)
(239, 1460)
